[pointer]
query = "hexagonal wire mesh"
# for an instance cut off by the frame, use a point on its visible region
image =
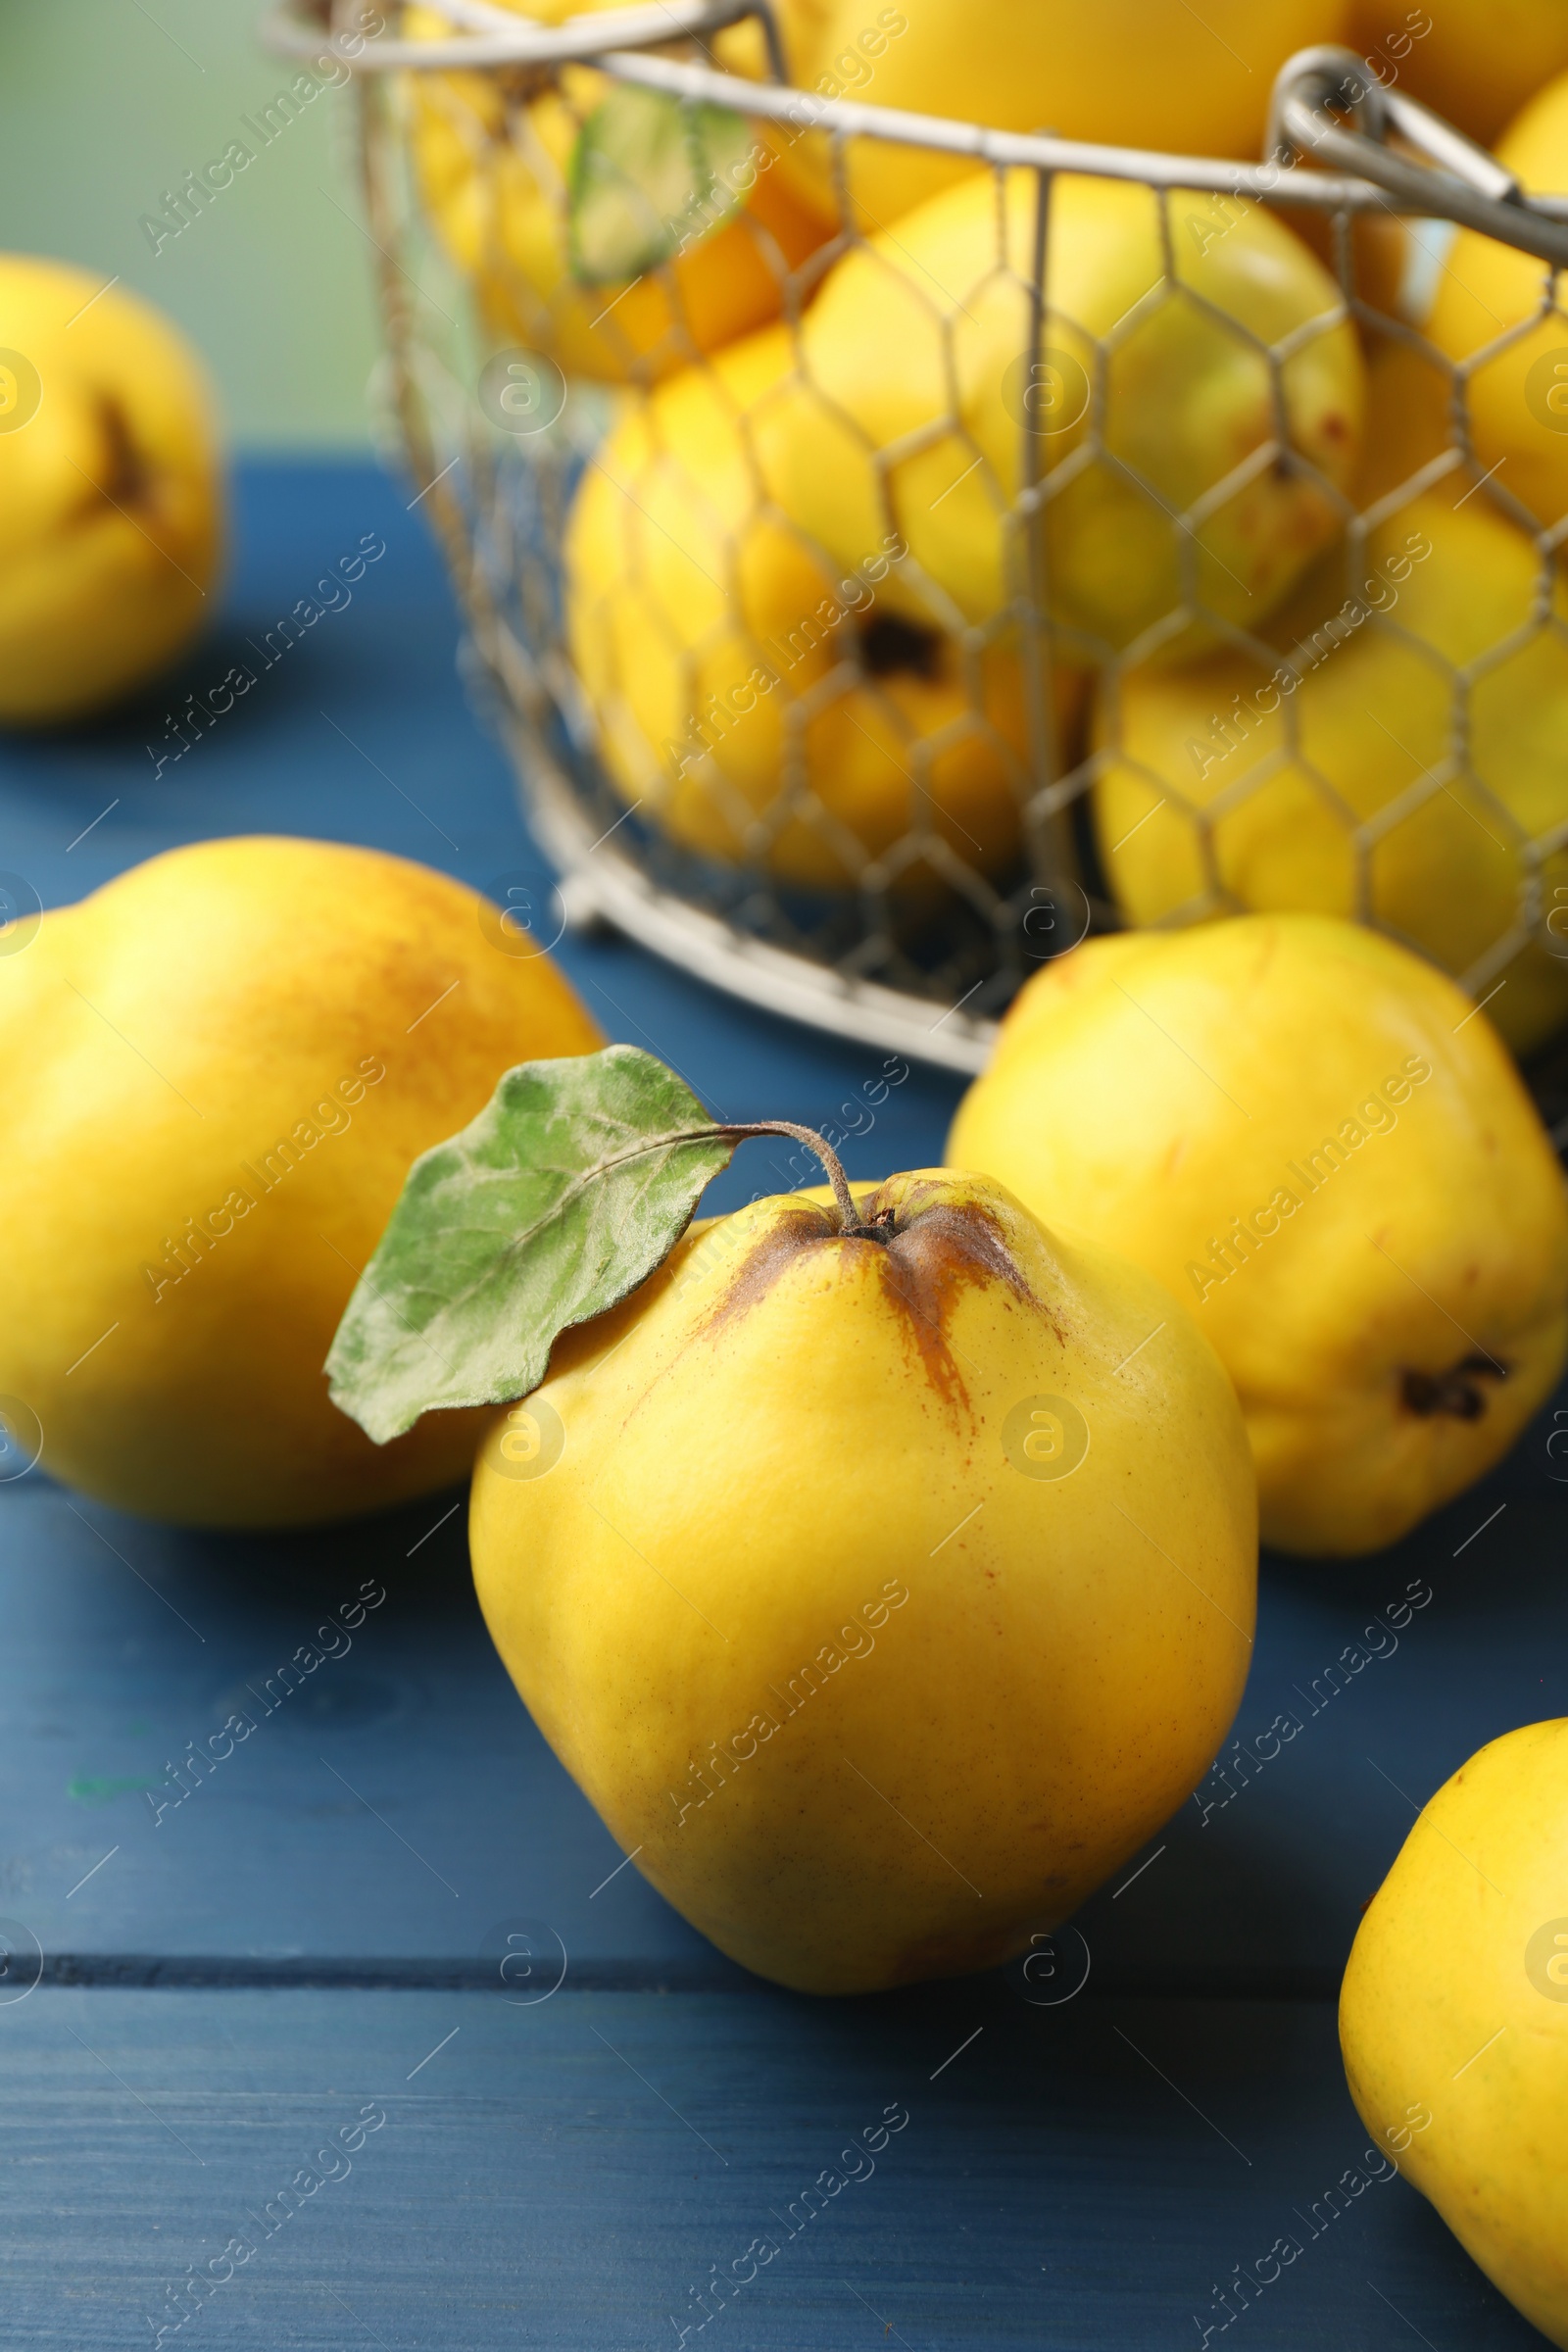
(1117, 538)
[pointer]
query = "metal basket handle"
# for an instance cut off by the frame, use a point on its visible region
(1459, 181)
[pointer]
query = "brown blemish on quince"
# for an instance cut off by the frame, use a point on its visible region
(776, 1248)
(934, 1252)
(1456, 1392)
(128, 479)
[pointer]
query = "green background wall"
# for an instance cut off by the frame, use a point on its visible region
(104, 104)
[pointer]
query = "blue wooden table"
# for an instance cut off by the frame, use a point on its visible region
(262, 2036)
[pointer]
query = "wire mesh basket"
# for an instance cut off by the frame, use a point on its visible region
(892, 547)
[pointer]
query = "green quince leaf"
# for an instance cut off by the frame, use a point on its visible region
(575, 1182)
(650, 175)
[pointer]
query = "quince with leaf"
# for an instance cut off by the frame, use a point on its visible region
(880, 1563)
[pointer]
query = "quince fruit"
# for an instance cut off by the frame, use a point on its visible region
(111, 504)
(1400, 761)
(756, 705)
(1493, 295)
(1122, 73)
(1149, 411)
(495, 155)
(1474, 61)
(882, 1566)
(826, 1817)
(217, 1069)
(1453, 2015)
(1409, 425)
(1322, 1150)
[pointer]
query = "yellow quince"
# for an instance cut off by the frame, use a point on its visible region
(217, 1069)
(1475, 61)
(1121, 73)
(760, 705)
(1125, 474)
(110, 502)
(1401, 762)
(494, 156)
(1497, 311)
(1322, 1149)
(947, 1603)
(1453, 2015)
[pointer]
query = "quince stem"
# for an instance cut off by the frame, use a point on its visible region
(849, 1216)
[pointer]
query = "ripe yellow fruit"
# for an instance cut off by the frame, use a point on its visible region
(218, 1069)
(1324, 1152)
(757, 703)
(1378, 263)
(1401, 763)
(492, 153)
(929, 1484)
(1475, 61)
(1172, 505)
(111, 503)
(1518, 398)
(1409, 425)
(1123, 73)
(1453, 2015)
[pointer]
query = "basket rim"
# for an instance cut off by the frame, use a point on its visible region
(1458, 183)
